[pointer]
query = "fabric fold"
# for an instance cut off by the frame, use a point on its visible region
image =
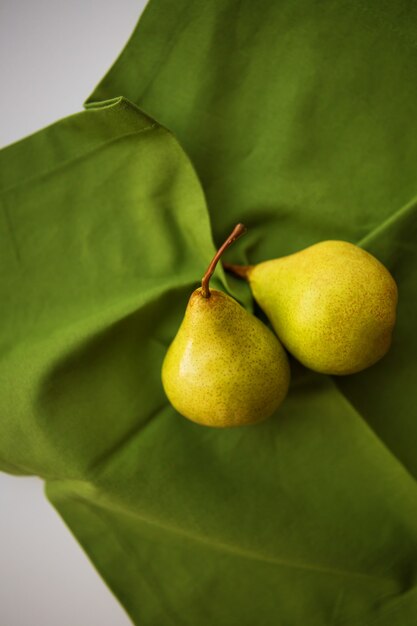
(298, 120)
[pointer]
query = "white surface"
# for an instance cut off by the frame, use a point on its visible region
(45, 577)
(52, 54)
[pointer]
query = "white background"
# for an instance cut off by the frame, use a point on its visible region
(52, 54)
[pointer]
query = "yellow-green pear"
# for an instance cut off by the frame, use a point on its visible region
(224, 367)
(333, 305)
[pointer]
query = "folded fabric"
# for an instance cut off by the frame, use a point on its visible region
(299, 119)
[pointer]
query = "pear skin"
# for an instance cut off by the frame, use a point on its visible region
(224, 367)
(333, 305)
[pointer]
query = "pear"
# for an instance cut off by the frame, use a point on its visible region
(333, 305)
(224, 367)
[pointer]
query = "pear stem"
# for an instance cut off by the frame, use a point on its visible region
(238, 230)
(239, 270)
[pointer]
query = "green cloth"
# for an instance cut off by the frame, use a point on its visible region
(300, 119)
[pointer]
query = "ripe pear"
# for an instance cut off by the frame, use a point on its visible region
(333, 305)
(224, 367)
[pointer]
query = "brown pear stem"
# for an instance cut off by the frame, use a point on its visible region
(238, 230)
(240, 270)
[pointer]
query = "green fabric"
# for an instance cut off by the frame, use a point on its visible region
(301, 121)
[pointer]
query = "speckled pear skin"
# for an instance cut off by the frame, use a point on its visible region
(224, 367)
(333, 305)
